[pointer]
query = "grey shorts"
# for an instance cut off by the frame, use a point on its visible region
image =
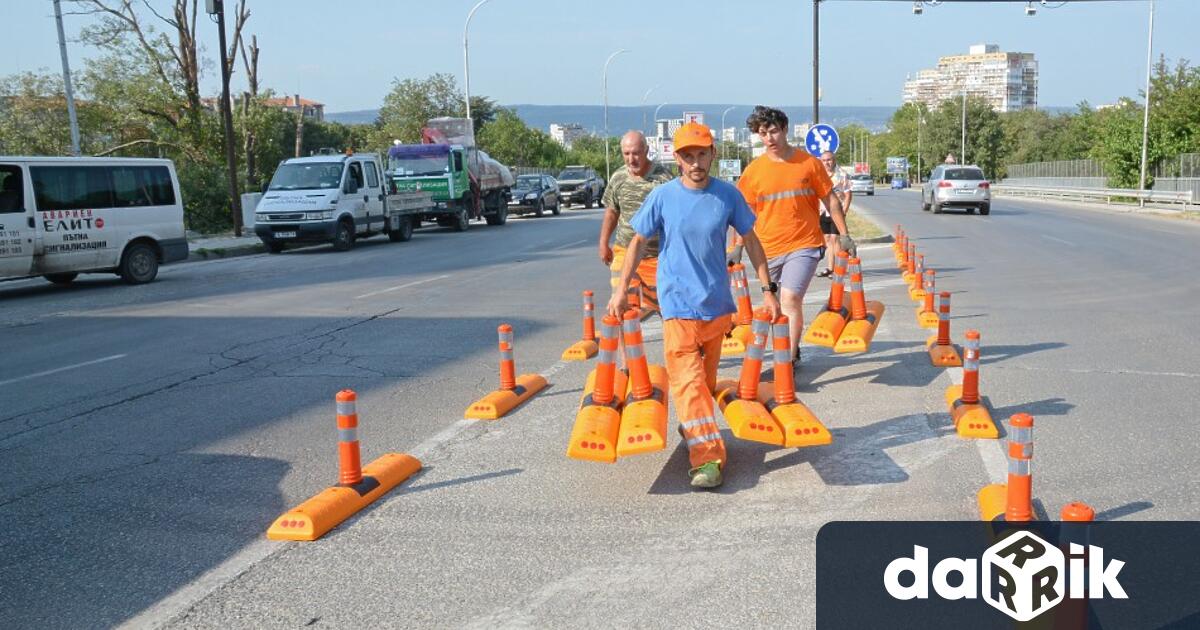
(793, 271)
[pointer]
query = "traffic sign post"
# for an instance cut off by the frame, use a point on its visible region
(821, 138)
(897, 165)
(728, 169)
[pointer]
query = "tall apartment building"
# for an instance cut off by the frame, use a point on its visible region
(566, 134)
(1006, 80)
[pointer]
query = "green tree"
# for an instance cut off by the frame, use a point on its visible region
(509, 140)
(412, 102)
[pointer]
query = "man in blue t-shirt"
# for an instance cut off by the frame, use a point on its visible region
(691, 216)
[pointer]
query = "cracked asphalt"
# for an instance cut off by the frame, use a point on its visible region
(151, 434)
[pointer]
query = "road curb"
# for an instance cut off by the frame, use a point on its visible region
(214, 253)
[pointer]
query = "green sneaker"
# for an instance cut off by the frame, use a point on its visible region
(706, 475)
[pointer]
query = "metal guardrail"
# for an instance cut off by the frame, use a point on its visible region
(1107, 194)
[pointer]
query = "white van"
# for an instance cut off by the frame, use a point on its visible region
(60, 217)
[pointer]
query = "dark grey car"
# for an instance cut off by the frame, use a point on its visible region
(957, 186)
(536, 194)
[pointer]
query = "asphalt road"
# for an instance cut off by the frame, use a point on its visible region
(151, 434)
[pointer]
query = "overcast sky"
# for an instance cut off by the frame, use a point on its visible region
(346, 53)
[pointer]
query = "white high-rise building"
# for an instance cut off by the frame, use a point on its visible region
(566, 134)
(1006, 80)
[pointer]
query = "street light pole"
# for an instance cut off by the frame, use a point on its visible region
(642, 106)
(920, 120)
(816, 61)
(467, 61)
(62, 51)
(962, 147)
(1146, 109)
(723, 129)
(604, 90)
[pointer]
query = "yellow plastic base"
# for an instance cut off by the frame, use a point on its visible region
(916, 295)
(500, 402)
(944, 356)
(992, 501)
(970, 420)
(594, 437)
(644, 422)
(926, 319)
(825, 329)
(313, 518)
(735, 345)
(857, 335)
(799, 424)
(581, 350)
(908, 277)
(749, 419)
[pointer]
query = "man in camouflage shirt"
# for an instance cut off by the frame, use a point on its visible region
(623, 196)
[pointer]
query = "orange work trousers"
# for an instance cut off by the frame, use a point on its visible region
(692, 349)
(646, 273)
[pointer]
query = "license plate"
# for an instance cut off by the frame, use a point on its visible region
(514, 202)
(964, 192)
(285, 235)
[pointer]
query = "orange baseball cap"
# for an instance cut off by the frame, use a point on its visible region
(692, 134)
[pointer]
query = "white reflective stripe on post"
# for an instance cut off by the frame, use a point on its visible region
(783, 356)
(708, 437)
(1020, 434)
(345, 408)
(1019, 467)
(348, 435)
(754, 351)
(634, 351)
(506, 337)
(629, 325)
(506, 355)
(692, 424)
(609, 331)
(607, 356)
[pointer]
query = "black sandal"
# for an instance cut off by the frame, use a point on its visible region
(825, 274)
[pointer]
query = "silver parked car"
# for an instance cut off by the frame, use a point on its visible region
(958, 186)
(862, 183)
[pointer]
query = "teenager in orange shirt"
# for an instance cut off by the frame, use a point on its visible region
(786, 187)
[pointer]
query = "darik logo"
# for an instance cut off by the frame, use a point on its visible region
(1022, 576)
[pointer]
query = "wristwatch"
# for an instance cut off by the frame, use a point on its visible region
(771, 287)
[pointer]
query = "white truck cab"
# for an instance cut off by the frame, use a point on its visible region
(62, 216)
(328, 198)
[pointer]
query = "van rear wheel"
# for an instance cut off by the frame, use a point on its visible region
(139, 264)
(61, 278)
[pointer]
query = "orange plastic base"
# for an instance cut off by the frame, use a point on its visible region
(735, 345)
(992, 500)
(313, 518)
(581, 350)
(926, 319)
(799, 424)
(620, 386)
(749, 419)
(594, 437)
(944, 356)
(970, 420)
(500, 402)
(857, 335)
(825, 329)
(644, 422)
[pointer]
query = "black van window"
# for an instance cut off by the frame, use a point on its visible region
(356, 173)
(139, 186)
(72, 187)
(372, 175)
(12, 193)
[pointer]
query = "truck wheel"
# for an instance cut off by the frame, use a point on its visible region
(500, 217)
(139, 264)
(403, 230)
(461, 221)
(343, 237)
(274, 246)
(541, 208)
(61, 278)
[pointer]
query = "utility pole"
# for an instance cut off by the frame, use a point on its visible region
(962, 147)
(816, 61)
(235, 202)
(1146, 110)
(62, 51)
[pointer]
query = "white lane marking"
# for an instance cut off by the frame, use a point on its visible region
(62, 369)
(1057, 240)
(571, 244)
(991, 452)
(403, 286)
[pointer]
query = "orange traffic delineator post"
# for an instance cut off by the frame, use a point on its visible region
(910, 264)
(1072, 612)
(941, 351)
(799, 424)
(916, 288)
(514, 389)
(644, 414)
(828, 325)
(586, 347)
(971, 418)
(357, 486)
(748, 418)
(902, 251)
(897, 234)
(927, 316)
(1013, 501)
(864, 316)
(598, 421)
(739, 337)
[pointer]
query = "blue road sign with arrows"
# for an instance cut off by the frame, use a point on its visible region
(821, 138)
